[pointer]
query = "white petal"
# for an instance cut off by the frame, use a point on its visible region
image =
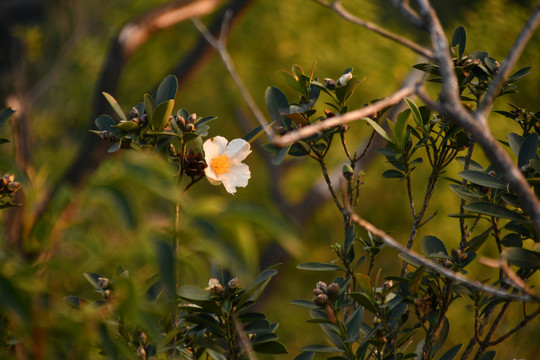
(214, 147)
(238, 149)
(211, 175)
(238, 176)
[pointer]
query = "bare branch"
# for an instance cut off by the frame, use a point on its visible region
(309, 130)
(341, 11)
(508, 64)
(475, 285)
(220, 46)
(408, 12)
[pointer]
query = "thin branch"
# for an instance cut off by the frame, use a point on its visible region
(341, 11)
(508, 64)
(309, 130)
(519, 326)
(475, 285)
(408, 12)
(220, 46)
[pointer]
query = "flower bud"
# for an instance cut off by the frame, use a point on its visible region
(317, 292)
(142, 337)
(329, 113)
(233, 284)
(321, 286)
(181, 122)
(190, 127)
(332, 290)
(347, 171)
(105, 135)
(387, 285)
(13, 186)
(141, 353)
(321, 300)
(143, 120)
(103, 282)
(192, 118)
(107, 294)
(329, 83)
(344, 79)
(133, 113)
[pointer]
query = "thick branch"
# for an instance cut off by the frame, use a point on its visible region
(475, 285)
(508, 64)
(340, 10)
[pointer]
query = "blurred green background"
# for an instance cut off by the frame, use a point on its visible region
(126, 204)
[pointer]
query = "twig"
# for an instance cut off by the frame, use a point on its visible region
(220, 46)
(340, 10)
(408, 12)
(388, 240)
(507, 65)
(309, 130)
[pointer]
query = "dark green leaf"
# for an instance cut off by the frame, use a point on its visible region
(255, 289)
(127, 126)
(93, 279)
(276, 103)
(415, 111)
(519, 74)
(14, 300)
(161, 114)
(271, 347)
(291, 81)
(364, 301)
(416, 280)
(515, 141)
(75, 301)
(316, 266)
(451, 354)
(149, 107)
(433, 246)
(378, 129)
(483, 179)
(528, 149)
(495, 210)
(280, 155)
(512, 240)
(460, 39)
(105, 123)
(393, 174)
(473, 165)
(353, 324)
(191, 292)
(255, 133)
(167, 89)
(305, 304)
(522, 258)
(465, 193)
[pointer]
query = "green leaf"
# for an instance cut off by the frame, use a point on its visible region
(522, 258)
(291, 81)
(253, 291)
(364, 301)
(14, 300)
(149, 107)
(415, 280)
(276, 103)
(127, 126)
(483, 179)
(378, 129)
(280, 155)
(519, 74)
(5, 114)
(515, 141)
(304, 303)
(167, 89)
(271, 347)
(393, 174)
(415, 111)
(93, 279)
(433, 246)
(473, 165)
(161, 114)
(167, 268)
(317, 266)
(451, 354)
(75, 301)
(321, 348)
(528, 149)
(465, 193)
(117, 109)
(460, 39)
(353, 324)
(495, 210)
(105, 123)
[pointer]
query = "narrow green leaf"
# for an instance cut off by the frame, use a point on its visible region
(519, 74)
(515, 141)
(488, 355)
(465, 193)
(393, 174)
(280, 155)
(415, 111)
(364, 301)
(271, 347)
(495, 210)
(167, 268)
(304, 303)
(161, 114)
(483, 179)
(378, 129)
(306, 355)
(117, 109)
(191, 292)
(149, 107)
(291, 81)
(415, 280)
(316, 266)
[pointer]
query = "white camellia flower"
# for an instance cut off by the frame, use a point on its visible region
(224, 161)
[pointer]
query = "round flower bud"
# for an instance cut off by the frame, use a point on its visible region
(105, 135)
(332, 290)
(192, 118)
(141, 353)
(142, 337)
(13, 186)
(233, 283)
(317, 292)
(347, 171)
(180, 121)
(190, 127)
(321, 286)
(143, 120)
(103, 282)
(134, 113)
(321, 300)
(329, 83)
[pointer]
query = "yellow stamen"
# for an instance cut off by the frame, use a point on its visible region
(221, 164)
